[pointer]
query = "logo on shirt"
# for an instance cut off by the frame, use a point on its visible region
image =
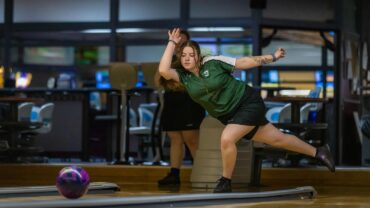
(206, 73)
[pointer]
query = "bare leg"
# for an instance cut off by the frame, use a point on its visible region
(176, 149)
(191, 139)
(230, 136)
(267, 134)
(270, 135)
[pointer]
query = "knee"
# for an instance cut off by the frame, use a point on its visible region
(192, 143)
(226, 143)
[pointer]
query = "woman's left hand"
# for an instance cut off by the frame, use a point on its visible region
(279, 53)
(174, 35)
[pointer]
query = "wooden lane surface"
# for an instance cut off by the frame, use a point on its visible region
(348, 187)
(333, 196)
(328, 196)
(44, 174)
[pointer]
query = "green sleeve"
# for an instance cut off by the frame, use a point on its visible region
(227, 67)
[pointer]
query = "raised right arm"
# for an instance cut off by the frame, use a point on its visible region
(164, 68)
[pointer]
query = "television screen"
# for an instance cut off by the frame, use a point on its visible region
(270, 76)
(60, 56)
(86, 55)
(22, 79)
(102, 79)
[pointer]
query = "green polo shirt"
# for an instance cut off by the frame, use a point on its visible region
(216, 90)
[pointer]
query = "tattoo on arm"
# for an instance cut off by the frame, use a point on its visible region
(261, 60)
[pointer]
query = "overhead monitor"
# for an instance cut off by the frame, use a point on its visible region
(22, 79)
(102, 79)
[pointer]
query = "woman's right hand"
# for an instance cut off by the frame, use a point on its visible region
(174, 35)
(279, 53)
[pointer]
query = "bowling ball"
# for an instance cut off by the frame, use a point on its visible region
(72, 182)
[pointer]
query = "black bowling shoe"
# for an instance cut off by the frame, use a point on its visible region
(323, 154)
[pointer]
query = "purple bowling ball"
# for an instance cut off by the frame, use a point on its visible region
(72, 182)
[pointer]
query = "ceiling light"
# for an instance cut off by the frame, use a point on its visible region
(216, 29)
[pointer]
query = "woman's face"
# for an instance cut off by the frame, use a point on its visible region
(189, 58)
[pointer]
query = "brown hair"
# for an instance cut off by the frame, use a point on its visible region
(171, 84)
(184, 32)
(195, 46)
(176, 64)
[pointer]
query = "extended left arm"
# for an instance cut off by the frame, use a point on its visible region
(255, 61)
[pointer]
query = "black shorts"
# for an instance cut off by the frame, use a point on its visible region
(251, 111)
(180, 112)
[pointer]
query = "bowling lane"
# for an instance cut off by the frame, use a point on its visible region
(328, 196)
(158, 198)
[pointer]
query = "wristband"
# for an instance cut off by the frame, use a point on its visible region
(172, 41)
(273, 57)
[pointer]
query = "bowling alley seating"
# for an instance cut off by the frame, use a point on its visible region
(24, 115)
(150, 76)
(146, 112)
(24, 120)
(27, 129)
(149, 114)
(24, 111)
(133, 120)
(43, 115)
(283, 114)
